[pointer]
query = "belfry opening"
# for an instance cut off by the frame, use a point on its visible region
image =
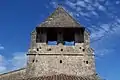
(56, 35)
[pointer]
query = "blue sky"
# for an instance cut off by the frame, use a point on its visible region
(101, 17)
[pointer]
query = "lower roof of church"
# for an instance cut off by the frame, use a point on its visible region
(63, 77)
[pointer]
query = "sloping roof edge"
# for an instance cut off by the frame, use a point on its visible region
(12, 71)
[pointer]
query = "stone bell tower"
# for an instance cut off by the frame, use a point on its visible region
(60, 45)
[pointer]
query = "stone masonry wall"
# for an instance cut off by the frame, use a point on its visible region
(69, 65)
(45, 60)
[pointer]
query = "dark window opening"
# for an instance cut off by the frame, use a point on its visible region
(79, 47)
(60, 36)
(36, 60)
(83, 50)
(60, 32)
(37, 49)
(51, 37)
(49, 49)
(40, 36)
(61, 49)
(86, 62)
(60, 61)
(79, 36)
(33, 60)
(68, 37)
(40, 47)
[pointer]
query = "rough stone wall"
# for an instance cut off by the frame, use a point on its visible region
(76, 60)
(71, 65)
(33, 39)
(14, 75)
(58, 49)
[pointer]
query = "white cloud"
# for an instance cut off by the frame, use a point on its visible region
(78, 9)
(102, 52)
(17, 61)
(118, 20)
(81, 3)
(117, 2)
(104, 36)
(105, 27)
(1, 47)
(86, 8)
(105, 46)
(2, 69)
(102, 8)
(72, 5)
(2, 64)
(1, 59)
(90, 7)
(99, 6)
(88, 1)
(94, 13)
(84, 14)
(104, 30)
(54, 4)
(97, 34)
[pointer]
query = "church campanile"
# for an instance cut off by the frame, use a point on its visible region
(60, 45)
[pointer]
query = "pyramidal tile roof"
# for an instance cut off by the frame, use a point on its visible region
(60, 18)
